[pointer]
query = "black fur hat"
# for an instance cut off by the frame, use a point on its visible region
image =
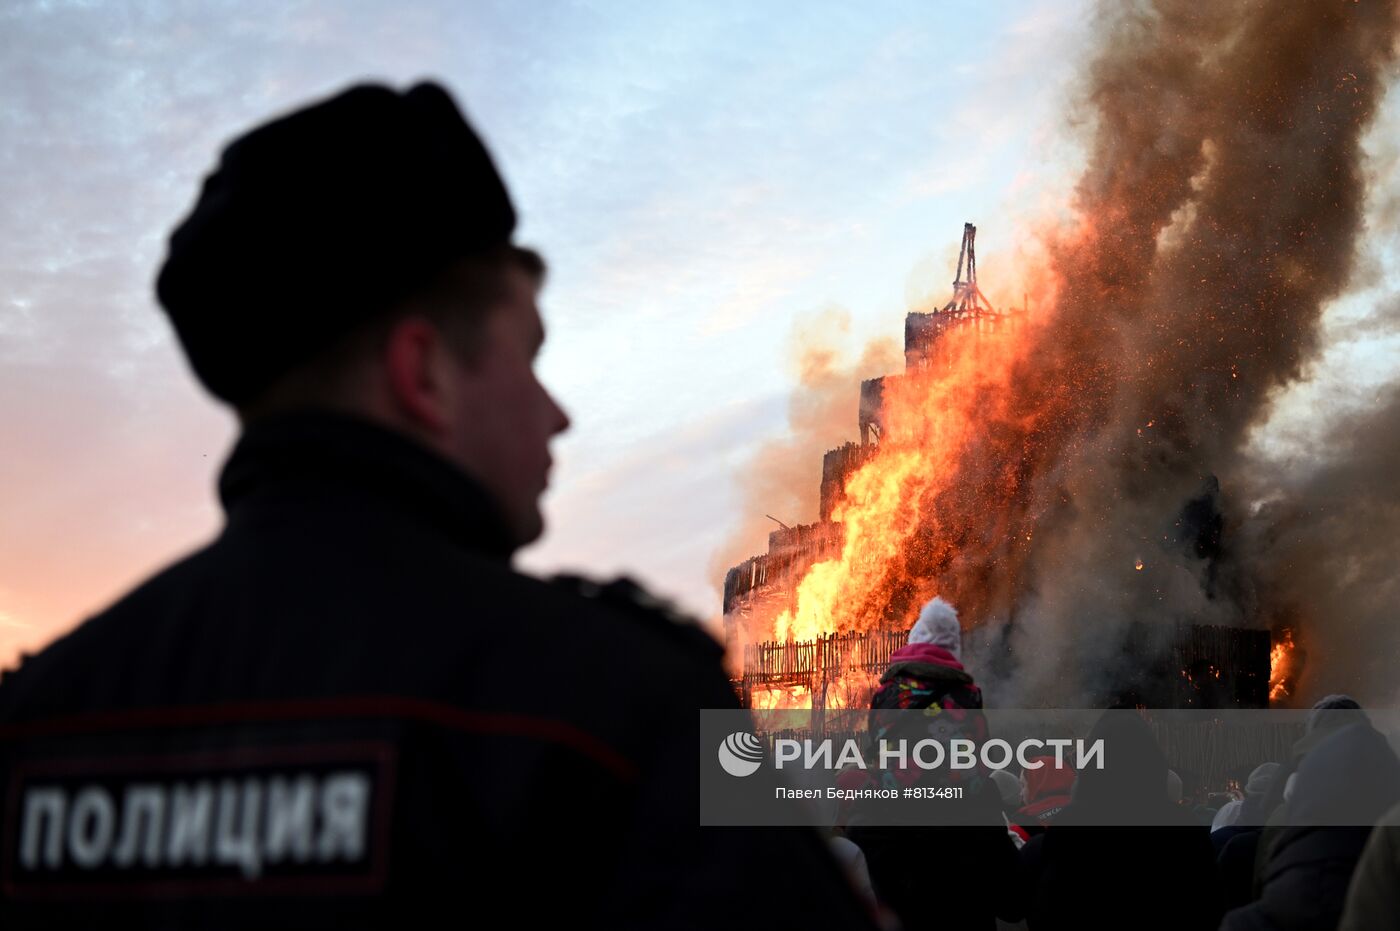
(321, 219)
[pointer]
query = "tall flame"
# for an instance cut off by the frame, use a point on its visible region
(1281, 666)
(912, 505)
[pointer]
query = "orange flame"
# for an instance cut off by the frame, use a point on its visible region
(851, 690)
(797, 696)
(917, 497)
(1281, 666)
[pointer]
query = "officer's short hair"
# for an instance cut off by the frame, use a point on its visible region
(457, 300)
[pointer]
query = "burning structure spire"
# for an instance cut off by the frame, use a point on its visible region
(968, 300)
(924, 332)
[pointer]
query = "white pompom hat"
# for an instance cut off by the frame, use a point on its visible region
(938, 625)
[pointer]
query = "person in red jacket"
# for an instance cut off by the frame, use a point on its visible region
(1045, 791)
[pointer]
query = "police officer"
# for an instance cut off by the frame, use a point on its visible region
(349, 710)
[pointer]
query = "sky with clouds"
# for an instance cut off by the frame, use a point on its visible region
(700, 177)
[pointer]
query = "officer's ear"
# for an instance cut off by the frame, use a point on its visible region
(416, 360)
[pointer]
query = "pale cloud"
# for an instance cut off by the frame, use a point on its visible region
(945, 178)
(9, 620)
(664, 508)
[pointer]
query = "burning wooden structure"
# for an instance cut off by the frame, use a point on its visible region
(814, 667)
(757, 584)
(1199, 666)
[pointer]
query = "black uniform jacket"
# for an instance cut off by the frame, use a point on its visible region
(349, 711)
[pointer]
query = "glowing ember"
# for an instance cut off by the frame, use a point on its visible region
(1137, 564)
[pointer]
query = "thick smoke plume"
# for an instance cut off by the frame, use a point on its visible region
(1060, 480)
(1322, 550)
(1221, 209)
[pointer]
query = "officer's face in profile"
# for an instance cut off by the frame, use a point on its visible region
(500, 419)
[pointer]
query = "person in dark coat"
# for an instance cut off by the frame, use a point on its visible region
(1345, 784)
(349, 710)
(1328, 715)
(1248, 814)
(1121, 854)
(946, 877)
(1236, 843)
(1373, 897)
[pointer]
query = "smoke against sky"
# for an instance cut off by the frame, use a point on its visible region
(1225, 195)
